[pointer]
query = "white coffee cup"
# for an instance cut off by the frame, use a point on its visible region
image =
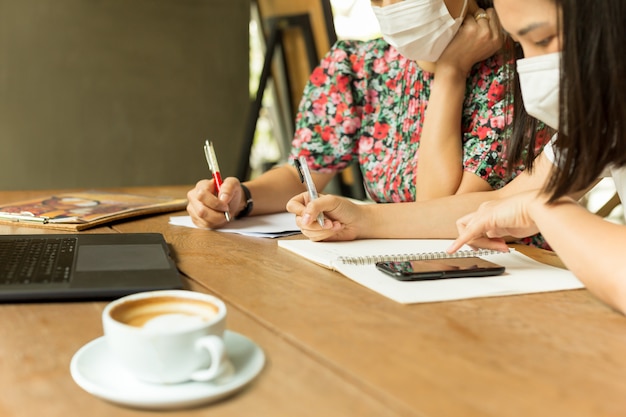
(169, 336)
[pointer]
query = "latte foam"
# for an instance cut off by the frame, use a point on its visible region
(169, 313)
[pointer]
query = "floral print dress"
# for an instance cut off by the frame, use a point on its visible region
(365, 103)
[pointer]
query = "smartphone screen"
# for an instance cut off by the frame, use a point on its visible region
(440, 269)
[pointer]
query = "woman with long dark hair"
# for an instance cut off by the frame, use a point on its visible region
(573, 77)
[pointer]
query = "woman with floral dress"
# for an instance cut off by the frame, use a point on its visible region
(414, 135)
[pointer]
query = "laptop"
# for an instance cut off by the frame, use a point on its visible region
(57, 267)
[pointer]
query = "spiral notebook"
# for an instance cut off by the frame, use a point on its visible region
(356, 260)
(369, 251)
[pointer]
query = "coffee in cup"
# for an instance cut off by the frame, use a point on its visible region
(168, 336)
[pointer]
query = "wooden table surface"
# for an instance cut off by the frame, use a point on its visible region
(335, 348)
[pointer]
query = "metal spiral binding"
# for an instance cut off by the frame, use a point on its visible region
(371, 259)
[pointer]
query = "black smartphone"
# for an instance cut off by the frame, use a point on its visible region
(440, 269)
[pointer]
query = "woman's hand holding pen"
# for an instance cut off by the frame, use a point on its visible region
(342, 217)
(207, 209)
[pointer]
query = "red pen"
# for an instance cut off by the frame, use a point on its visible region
(211, 159)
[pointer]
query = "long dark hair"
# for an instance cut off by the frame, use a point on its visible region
(523, 128)
(592, 95)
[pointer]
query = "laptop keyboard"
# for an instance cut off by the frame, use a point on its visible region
(35, 261)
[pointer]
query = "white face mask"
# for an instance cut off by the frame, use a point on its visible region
(539, 79)
(419, 29)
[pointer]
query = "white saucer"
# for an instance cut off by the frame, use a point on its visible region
(95, 371)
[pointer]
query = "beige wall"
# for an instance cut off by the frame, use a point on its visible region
(120, 92)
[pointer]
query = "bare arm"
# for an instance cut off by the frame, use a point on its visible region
(440, 168)
(591, 247)
(425, 219)
(274, 188)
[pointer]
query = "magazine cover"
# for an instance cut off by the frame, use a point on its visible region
(88, 208)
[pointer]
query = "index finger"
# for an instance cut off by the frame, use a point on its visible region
(482, 242)
(457, 244)
(466, 234)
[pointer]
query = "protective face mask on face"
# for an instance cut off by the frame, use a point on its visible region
(539, 79)
(419, 29)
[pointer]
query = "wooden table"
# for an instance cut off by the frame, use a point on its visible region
(335, 348)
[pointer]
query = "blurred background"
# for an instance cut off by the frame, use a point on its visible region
(116, 92)
(123, 93)
(351, 19)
